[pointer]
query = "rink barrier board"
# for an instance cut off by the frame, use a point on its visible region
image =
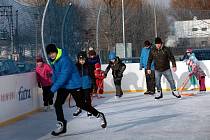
(133, 81)
(19, 118)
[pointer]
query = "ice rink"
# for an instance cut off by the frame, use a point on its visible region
(133, 117)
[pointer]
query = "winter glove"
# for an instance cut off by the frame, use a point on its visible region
(39, 85)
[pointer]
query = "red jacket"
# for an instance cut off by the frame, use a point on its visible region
(99, 74)
(44, 74)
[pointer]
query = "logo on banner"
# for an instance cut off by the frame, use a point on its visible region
(24, 94)
(9, 96)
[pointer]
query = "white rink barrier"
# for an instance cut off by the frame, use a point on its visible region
(134, 79)
(18, 95)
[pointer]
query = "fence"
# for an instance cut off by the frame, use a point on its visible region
(94, 24)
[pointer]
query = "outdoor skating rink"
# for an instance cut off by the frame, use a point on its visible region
(133, 117)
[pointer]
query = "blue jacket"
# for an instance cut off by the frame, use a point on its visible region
(65, 73)
(144, 58)
(85, 75)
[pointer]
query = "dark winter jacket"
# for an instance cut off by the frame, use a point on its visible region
(161, 58)
(91, 62)
(85, 75)
(65, 73)
(117, 68)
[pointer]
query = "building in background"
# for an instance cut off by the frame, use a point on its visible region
(193, 33)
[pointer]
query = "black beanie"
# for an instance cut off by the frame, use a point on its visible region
(82, 55)
(51, 48)
(158, 40)
(147, 43)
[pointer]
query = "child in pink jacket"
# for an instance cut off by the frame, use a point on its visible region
(44, 73)
(198, 73)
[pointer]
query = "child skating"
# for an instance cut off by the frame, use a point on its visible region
(44, 74)
(198, 73)
(118, 67)
(84, 72)
(99, 75)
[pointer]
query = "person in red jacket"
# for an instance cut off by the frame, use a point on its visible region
(99, 76)
(44, 74)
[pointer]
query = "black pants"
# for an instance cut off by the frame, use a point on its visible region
(78, 96)
(86, 95)
(47, 96)
(117, 82)
(150, 81)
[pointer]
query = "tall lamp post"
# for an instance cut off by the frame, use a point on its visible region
(97, 30)
(155, 17)
(123, 21)
(42, 30)
(63, 23)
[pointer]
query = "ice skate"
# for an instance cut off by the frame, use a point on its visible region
(61, 128)
(45, 108)
(78, 111)
(102, 119)
(159, 95)
(176, 94)
(192, 87)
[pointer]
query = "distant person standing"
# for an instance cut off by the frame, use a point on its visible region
(162, 56)
(44, 74)
(150, 78)
(93, 58)
(118, 67)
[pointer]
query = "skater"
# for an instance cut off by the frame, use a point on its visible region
(66, 80)
(162, 56)
(84, 72)
(99, 75)
(117, 72)
(44, 74)
(198, 73)
(93, 58)
(193, 81)
(150, 78)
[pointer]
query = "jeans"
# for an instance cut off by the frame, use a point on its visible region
(168, 75)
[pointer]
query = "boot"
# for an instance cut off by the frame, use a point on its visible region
(159, 95)
(61, 128)
(176, 94)
(78, 111)
(146, 93)
(102, 119)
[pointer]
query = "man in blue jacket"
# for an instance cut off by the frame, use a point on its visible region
(66, 80)
(150, 78)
